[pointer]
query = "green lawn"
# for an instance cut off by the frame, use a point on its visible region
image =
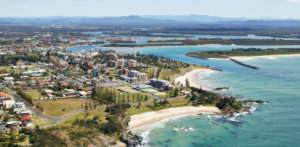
(35, 94)
(59, 108)
(8, 68)
(40, 121)
(85, 115)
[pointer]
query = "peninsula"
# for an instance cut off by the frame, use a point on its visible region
(250, 52)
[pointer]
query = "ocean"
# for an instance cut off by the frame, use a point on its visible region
(273, 124)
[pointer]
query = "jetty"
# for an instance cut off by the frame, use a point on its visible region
(241, 63)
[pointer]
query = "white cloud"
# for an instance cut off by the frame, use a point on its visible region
(293, 1)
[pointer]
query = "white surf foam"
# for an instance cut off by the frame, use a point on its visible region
(146, 139)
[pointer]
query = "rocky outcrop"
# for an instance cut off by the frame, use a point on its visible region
(255, 101)
(234, 110)
(131, 139)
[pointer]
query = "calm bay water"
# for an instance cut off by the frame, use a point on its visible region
(272, 124)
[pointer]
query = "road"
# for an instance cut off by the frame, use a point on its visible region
(104, 106)
(58, 120)
(17, 98)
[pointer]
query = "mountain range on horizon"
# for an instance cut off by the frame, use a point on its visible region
(158, 20)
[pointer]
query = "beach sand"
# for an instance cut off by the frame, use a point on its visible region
(193, 77)
(266, 56)
(152, 117)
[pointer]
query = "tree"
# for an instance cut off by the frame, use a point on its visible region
(146, 98)
(95, 106)
(176, 92)
(37, 127)
(155, 102)
(187, 83)
(86, 106)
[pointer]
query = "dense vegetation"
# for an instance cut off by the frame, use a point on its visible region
(118, 109)
(6, 60)
(227, 103)
(203, 97)
(104, 95)
(43, 138)
(161, 61)
(243, 52)
(25, 97)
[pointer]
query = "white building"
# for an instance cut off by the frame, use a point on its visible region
(142, 77)
(8, 104)
(19, 107)
(35, 72)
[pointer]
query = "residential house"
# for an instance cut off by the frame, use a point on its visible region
(48, 91)
(19, 107)
(8, 104)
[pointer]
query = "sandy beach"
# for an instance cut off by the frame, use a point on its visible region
(151, 117)
(193, 77)
(266, 56)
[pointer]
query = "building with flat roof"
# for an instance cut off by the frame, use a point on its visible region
(159, 82)
(142, 77)
(19, 107)
(35, 72)
(133, 73)
(134, 80)
(6, 104)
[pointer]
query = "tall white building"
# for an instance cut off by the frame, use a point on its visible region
(142, 77)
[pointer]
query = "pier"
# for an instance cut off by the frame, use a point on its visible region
(241, 63)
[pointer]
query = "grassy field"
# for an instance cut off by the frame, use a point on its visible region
(8, 68)
(59, 108)
(84, 115)
(128, 89)
(40, 121)
(35, 94)
(150, 107)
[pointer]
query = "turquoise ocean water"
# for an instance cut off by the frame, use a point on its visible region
(274, 124)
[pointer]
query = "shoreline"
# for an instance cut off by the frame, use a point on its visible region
(158, 46)
(148, 118)
(193, 77)
(264, 56)
(247, 57)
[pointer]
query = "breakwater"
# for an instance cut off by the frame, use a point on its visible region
(241, 63)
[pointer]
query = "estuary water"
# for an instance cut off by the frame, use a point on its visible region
(274, 124)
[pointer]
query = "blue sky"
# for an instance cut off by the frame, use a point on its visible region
(97, 8)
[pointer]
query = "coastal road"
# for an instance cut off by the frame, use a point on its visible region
(59, 120)
(17, 98)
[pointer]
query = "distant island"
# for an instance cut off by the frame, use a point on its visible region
(243, 52)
